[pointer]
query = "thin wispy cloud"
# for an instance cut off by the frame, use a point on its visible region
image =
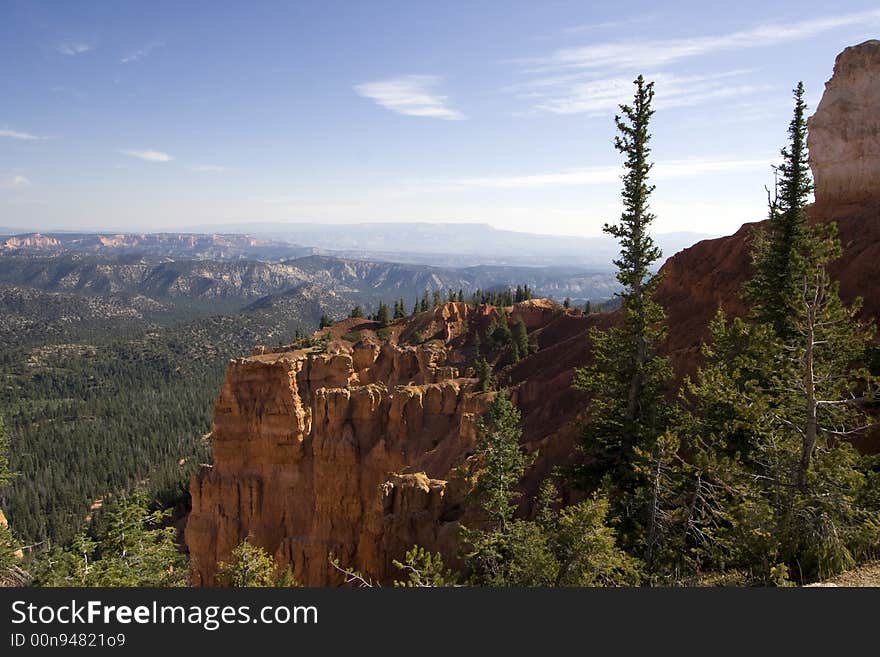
(602, 96)
(651, 54)
(149, 155)
(209, 168)
(605, 25)
(139, 54)
(17, 134)
(597, 175)
(73, 48)
(15, 181)
(412, 95)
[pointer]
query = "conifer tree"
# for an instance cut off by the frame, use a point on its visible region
(252, 566)
(504, 462)
(483, 373)
(134, 547)
(357, 312)
(382, 315)
(778, 257)
(325, 321)
(520, 337)
(570, 547)
(424, 304)
(399, 309)
(627, 379)
(627, 372)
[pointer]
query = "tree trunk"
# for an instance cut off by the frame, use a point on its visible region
(811, 428)
(635, 384)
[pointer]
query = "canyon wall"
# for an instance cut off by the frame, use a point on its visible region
(337, 450)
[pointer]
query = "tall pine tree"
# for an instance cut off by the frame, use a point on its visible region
(778, 254)
(628, 412)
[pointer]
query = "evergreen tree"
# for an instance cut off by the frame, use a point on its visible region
(399, 309)
(520, 337)
(424, 304)
(778, 254)
(437, 299)
(498, 332)
(325, 321)
(134, 547)
(588, 308)
(627, 379)
(571, 547)
(382, 315)
(483, 373)
(566, 303)
(424, 569)
(502, 459)
(357, 312)
(251, 565)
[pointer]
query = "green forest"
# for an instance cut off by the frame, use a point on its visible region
(102, 407)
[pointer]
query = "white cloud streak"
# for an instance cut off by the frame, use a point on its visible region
(209, 168)
(73, 48)
(606, 25)
(636, 54)
(412, 95)
(149, 155)
(597, 175)
(16, 134)
(15, 181)
(139, 54)
(594, 79)
(602, 96)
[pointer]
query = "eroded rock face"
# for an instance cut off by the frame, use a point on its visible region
(844, 133)
(308, 454)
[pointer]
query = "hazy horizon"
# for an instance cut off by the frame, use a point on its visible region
(144, 119)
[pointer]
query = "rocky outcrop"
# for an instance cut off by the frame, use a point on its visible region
(18, 553)
(844, 133)
(345, 452)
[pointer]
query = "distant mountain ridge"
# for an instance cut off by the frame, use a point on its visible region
(219, 246)
(463, 243)
(435, 244)
(244, 281)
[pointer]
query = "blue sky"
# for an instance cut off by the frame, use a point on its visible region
(159, 115)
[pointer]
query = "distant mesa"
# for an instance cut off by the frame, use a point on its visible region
(31, 241)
